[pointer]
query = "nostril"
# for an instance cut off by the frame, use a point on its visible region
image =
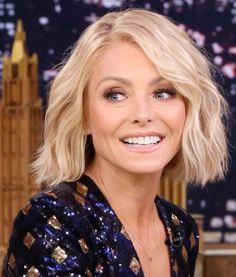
(142, 121)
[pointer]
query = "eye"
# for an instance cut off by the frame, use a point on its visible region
(163, 93)
(114, 95)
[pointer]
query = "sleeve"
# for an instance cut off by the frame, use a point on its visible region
(49, 238)
(193, 242)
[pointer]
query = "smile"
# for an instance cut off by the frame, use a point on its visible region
(147, 140)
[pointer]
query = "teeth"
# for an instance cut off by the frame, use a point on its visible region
(142, 140)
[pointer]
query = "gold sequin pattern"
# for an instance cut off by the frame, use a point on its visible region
(192, 240)
(88, 273)
(135, 265)
(184, 253)
(175, 267)
(59, 255)
(28, 240)
(26, 208)
(32, 272)
(175, 219)
(12, 261)
(79, 199)
(53, 221)
(99, 268)
(52, 194)
(169, 231)
(124, 233)
(83, 246)
(82, 189)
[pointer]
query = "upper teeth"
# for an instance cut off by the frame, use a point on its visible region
(143, 140)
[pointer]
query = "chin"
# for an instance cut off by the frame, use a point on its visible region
(143, 170)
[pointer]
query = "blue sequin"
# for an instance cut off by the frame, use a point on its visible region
(75, 232)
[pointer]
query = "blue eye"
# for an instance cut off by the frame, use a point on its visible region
(114, 95)
(163, 93)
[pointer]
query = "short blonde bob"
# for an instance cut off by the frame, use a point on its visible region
(67, 149)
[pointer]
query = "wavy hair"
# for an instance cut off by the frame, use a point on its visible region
(67, 149)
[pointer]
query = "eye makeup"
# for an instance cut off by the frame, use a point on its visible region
(114, 95)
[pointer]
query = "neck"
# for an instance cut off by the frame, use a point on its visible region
(130, 195)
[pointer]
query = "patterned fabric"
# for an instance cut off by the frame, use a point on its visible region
(71, 230)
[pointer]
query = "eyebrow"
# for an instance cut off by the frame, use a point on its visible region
(126, 81)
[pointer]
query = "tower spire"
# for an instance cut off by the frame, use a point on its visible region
(18, 49)
(21, 119)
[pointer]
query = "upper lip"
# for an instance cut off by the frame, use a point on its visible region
(148, 134)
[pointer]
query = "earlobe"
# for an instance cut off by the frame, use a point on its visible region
(86, 125)
(87, 131)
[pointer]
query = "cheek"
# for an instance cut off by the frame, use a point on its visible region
(179, 119)
(175, 118)
(103, 120)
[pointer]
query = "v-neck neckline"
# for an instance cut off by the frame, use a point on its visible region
(90, 183)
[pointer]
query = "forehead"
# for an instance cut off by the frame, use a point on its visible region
(124, 59)
(119, 50)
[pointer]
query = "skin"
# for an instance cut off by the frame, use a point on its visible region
(127, 97)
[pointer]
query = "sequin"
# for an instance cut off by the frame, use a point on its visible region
(53, 221)
(175, 267)
(26, 208)
(124, 233)
(79, 199)
(82, 189)
(192, 240)
(88, 273)
(28, 240)
(59, 255)
(32, 272)
(110, 247)
(175, 219)
(99, 268)
(83, 246)
(12, 261)
(113, 253)
(134, 265)
(184, 253)
(169, 231)
(52, 194)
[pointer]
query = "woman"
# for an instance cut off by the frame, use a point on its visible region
(134, 101)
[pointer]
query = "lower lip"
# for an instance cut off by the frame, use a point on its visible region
(142, 148)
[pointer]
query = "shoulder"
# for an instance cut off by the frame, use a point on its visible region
(183, 234)
(57, 202)
(50, 233)
(179, 216)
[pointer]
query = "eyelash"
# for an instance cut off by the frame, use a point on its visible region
(112, 92)
(164, 90)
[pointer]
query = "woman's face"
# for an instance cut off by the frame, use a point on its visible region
(136, 118)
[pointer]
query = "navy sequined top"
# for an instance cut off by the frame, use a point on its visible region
(71, 230)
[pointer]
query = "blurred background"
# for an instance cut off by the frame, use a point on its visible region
(53, 26)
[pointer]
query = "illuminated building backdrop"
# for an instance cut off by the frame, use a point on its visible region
(52, 26)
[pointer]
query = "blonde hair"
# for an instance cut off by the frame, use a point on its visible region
(67, 149)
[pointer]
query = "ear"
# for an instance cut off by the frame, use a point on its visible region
(86, 123)
(86, 129)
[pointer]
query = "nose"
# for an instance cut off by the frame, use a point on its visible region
(141, 111)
